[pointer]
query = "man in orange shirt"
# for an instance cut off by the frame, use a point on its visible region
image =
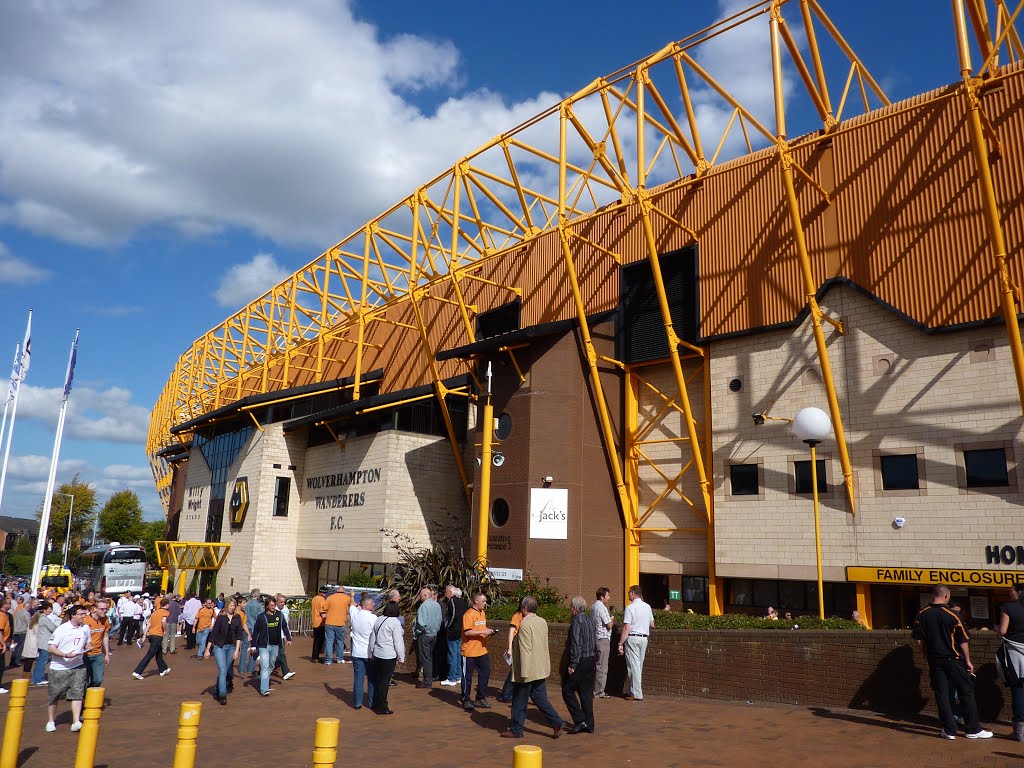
(319, 611)
(155, 635)
(97, 655)
(5, 636)
(204, 623)
(474, 653)
(334, 625)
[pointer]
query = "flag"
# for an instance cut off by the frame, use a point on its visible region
(12, 385)
(26, 349)
(71, 367)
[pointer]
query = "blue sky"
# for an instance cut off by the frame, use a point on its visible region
(162, 164)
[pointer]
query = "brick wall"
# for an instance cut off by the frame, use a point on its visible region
(880, 671)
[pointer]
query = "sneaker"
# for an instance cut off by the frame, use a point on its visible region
(264, 693)
(42, 682)
(468, 706)
(482, 703)
(327, 663)
(137, 676)
(3, 691)
(76, 726)
(289, 676)
(451, 682)
(980, 735)
(944, 734)
(51, 727)
(165, 672)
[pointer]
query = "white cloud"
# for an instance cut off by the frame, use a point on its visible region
(294, 121)
(18, 271)
(106, 415)
(34, 467)
(244, 282)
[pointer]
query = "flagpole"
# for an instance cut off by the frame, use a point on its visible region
(26, 352)
(44, 522)
(12, 388)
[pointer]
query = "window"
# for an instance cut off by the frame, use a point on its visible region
(900, 472)
(499, 513)
(284, 486)
(744, 479)
(766, 593)
(695, 589)
(802, 477)
(741, 591)
(986, 468)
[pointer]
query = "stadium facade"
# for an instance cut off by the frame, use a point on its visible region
(651, 320)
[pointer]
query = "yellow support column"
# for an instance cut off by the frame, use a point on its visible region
(716, 587)
(12, 727)
(188, 734)
(631, 554)
(484, 500)
(92, 708)
(325, 742)
(864, 604)
(527, 756)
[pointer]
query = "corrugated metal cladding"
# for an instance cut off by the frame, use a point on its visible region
(905, 222)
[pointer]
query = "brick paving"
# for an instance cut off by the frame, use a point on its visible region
(429, 730)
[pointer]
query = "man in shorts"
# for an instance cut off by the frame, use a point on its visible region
(67, 666)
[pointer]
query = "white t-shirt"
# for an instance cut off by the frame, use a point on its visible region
(639, 617)
(68, 639)
(601, 618)
(361, 623)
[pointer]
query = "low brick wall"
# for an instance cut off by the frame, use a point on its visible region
(880, 671)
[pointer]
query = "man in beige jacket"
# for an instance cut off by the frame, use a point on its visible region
(531, 665)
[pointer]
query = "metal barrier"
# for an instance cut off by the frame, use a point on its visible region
(12, 728)
(92, 708)
(527, 756)
(300, 622)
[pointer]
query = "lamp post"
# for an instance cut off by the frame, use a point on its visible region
(71, 511)
(812, 425)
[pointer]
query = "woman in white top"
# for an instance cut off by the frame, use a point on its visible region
(387, 646)
(361, 619)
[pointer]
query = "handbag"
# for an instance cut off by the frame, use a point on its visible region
(30, 649)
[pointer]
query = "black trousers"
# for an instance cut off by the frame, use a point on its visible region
(425, 645)
(482, 665)
(578, 692)
(318, 642)
(383, 669)
(156, 648)
(190, 636)
(129, 628)
(948, 675)
(18, 641)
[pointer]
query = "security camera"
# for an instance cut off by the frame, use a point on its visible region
(547, 479)
(758, 419)
(498, 459)
(899, 522)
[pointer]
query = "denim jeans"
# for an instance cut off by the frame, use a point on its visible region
(201, 636)
(537, 690)
(224, 656)
(334, 643)
(358, 681)
(39, 670)
(94, 663)
(246, 660)
(454, 661)
(268, 657)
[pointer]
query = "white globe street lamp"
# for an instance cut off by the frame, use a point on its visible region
(812, 425)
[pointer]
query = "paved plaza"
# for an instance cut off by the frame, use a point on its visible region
(429, 730)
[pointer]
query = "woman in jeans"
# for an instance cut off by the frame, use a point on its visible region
(225, 640)
(361, 619)
(43, 623)
(1011, 627)
(387, 646)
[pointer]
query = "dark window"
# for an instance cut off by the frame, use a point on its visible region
(641, 333)
(695, 589)
(504, 428)
(802, 471)
(741, 591)
(744, 479)
(503, 319)
(986, 467)
(766, 593)
(134, 555)
(899, 473)
(284, 486)
(499, 513)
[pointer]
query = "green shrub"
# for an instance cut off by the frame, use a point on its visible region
(358, 579)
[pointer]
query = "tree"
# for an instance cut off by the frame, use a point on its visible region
(83, 511)
(121, 518)
(151, 532)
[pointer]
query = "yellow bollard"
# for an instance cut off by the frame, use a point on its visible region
(92, 708)
(188, 733)
(527, 756)
(325, 742)
(12, 730)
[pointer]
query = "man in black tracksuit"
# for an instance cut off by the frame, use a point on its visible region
(942, 639)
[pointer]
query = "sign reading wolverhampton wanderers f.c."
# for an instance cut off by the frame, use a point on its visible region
(239, 501)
